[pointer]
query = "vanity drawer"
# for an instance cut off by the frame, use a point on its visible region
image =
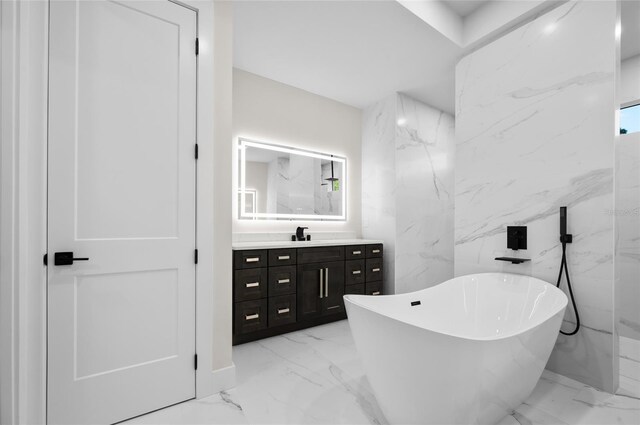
(373, 288)
(282, 310)
(374, 269)
(250, 284)
(320, 254)
(250, 259)
(282, 280)
(250, 316)
(282, 257)
(374, 251)
(354, 252)
(354, 272)
(354, 289)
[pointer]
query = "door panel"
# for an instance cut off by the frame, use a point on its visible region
(121, 326)
(116, 85)
(308, 292)
(332, 303)
(139, 338)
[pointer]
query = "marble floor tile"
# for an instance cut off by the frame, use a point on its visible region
(314, 376)
(217, 409)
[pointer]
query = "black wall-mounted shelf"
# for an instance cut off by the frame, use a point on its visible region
(513, 260)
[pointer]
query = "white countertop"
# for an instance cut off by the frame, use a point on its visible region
(301, 244)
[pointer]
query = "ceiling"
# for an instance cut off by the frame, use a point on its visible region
(464, 8)
(355, 52)
(630, 38)
(359, 52)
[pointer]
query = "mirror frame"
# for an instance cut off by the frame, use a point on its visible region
(244, 143)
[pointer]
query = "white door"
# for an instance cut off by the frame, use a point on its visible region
(121, 189)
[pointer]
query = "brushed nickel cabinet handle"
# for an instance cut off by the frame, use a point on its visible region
(251, 316)
(375, 293)
(357, 252)
(252, 284)
(284, 280)
(376, 251)
(356, 272)
(321, 283)
(377, 269)
(283, 310)
(252, 259)
(284, 257)
(326, 282)
(332, 307)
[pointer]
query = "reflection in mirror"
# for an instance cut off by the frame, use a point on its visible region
(280, 182)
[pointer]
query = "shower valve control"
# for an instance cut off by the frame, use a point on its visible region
(564, 236)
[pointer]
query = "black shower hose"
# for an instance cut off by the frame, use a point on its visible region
(563, 266)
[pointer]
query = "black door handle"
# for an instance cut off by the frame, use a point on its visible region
(65, 259)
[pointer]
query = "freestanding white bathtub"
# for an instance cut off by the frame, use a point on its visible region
(470, 352)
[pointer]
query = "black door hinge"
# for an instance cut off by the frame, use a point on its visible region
(44, 260)
(196, 151)
(195, 256)
(197, 47)
(195, 361)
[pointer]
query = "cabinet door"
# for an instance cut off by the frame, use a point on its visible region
(332, 302)
(308, 292)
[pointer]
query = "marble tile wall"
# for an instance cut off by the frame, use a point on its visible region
(378, 181)
(535, 130)
(408, 197)
(425, 146)
(627, 216)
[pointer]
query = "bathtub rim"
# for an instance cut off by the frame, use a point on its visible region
(352, 299)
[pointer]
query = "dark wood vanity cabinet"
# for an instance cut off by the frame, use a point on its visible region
(282, 290)
(320, 289)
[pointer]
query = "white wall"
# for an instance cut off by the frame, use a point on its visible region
(257, 176)
(627, 215)
(627, 209)
(630, 81)
(23, 138)
(536, 129)
(408, 195)
(222, 192)
(270, 111)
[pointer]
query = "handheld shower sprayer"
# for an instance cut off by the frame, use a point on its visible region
(565, 239)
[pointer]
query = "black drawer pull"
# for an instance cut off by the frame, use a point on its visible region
(283, 310)
(284, 280)
(284, 257)
(251, 316)
(252, 284)
(252, 260)
(356, 272)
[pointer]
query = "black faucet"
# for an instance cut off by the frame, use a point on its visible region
(300, 233)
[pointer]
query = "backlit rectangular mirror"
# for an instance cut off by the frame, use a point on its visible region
(282, 182)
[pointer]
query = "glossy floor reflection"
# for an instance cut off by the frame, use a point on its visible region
(314, 377)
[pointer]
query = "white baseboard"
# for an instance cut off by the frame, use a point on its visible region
(222, 379)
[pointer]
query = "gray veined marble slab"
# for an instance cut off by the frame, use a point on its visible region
(408, 194)
(534, 114)
(314, 376)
